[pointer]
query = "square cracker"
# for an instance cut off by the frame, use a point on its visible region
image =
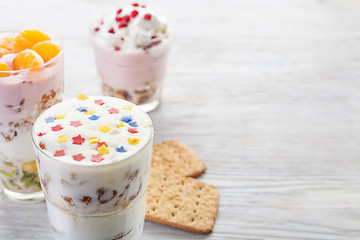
(182, 202)
(174, 156)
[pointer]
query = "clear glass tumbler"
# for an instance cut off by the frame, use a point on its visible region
(24, 95)
(135, 77)
(94, 202)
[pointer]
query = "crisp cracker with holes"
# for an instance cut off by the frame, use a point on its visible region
(182, 202)
(174, 156)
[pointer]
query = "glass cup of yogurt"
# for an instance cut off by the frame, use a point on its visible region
(93, 157)
(31, 80)
(131, 46)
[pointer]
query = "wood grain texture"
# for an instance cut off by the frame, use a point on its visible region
(266, 93)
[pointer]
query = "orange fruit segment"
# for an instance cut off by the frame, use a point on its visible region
(27, 59)
(6, 45)
(4, 67)
(47, 50)
(26, 39)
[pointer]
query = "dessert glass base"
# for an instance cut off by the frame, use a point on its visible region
(148, 107)
(20, 181)
(148, 98)
(24, 197)
(115, 225)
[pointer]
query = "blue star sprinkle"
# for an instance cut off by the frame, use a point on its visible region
(94, 117)
(50, 119)
(133, 124)
(120, 149)
(82, 109)
(126, 119)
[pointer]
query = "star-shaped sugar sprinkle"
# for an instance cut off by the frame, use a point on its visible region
(93, 140)
(78, 157)
(128, 107)
(40, 134)
(59, 153)
(96, 158)
(94, 117)
(104, 128)
(49, 119)
(82, 97)
(113, 110)
(99, 144)
(103, 150)
(133, 140)
(120, 125)
(75, 123)
(78, 140)
(82, 109)
(126, 119)
(60, 116)
(56, 128)
(133, 124)
(99, 102)
(62, 139)
(90, 112)
(120, 149)
(132, 130)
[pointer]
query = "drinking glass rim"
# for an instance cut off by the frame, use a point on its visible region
(12, 72)
(100, 165)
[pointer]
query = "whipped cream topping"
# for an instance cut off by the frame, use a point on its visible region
(92, 130)
(131, 29)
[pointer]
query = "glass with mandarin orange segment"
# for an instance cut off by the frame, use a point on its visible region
(31, 80)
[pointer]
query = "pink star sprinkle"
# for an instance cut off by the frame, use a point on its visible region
(99, 102)
(78, 157)
(113, 110)
(96, 158)
(59, 153)
(78, 140)
(56, 128)
(75, 123)
(132, 130)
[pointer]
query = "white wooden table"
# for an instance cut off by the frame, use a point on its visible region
(265, 92)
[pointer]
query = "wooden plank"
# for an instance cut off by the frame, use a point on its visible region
(265, 92)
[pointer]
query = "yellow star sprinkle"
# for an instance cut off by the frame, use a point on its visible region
(82, 97)
(133, 140)
(128, 107)
(104, 128)
(103, 150)
(121, 125)
(89, 112)
(94, 140)
(60, 116)
(63, 138)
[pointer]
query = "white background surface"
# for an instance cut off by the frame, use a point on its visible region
(265, 92)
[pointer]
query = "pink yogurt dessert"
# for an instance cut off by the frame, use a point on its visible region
(131, 46)
(24, 95)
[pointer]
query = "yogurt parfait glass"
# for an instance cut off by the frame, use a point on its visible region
(131, 47)
(94, 164)
(29, 84)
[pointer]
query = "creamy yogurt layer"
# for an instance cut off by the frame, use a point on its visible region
(92, 130)
(132, 29)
